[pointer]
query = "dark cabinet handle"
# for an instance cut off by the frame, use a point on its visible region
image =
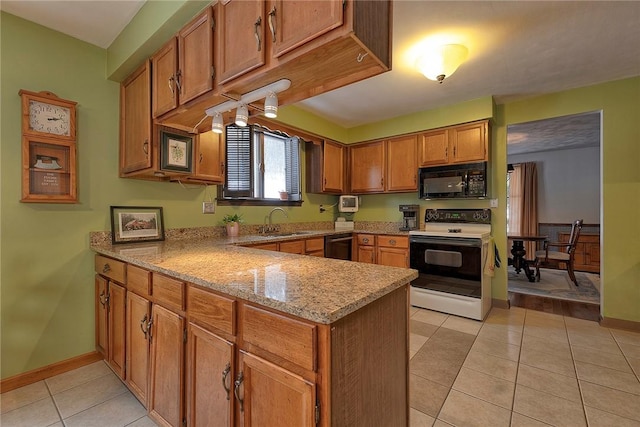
(272, 24)
(225, 374)
(171, 79)
(104, 299)
(236, 390)
(145, 147)
(106, 268)
(257, 34)
(143, 323)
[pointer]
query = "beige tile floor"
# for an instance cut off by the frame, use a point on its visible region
(517, 368)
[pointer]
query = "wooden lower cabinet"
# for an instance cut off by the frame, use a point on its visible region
(262, 388)
(138, 316)
(587, 255)
(365, 248)
(247, 365)
(166, 387)
(393, 251)
(110, 323)
(210, 374)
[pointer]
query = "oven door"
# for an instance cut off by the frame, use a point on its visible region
(451, 265)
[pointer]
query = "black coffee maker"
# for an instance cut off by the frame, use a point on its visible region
(409, 217)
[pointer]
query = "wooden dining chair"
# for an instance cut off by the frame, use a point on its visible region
(564, 255)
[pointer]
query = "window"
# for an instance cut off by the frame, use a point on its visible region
(261, 164)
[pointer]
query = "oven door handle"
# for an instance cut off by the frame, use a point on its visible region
(342, 239)
(447, 241)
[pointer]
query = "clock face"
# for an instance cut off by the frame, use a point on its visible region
(49, 118)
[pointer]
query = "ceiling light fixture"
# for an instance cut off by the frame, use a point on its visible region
(442, 61)
(271, 105)
(217, 124)
(242, 114)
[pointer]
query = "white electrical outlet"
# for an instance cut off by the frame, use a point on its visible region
(494, 203)
(208, 207)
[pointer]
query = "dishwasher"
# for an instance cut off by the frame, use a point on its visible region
(338, 246)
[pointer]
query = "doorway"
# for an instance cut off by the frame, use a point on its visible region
(565, 152)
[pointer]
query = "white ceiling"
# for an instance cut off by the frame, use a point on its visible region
(517, 49)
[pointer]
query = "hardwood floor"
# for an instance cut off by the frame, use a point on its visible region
(550, 305)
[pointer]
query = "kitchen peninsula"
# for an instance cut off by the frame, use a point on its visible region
(218, 334)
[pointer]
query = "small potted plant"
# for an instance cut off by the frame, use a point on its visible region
(232, 221)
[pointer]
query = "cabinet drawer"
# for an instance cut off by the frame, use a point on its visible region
(139, 280)
(366, 239)
(168, 292)
(211, 310)
(290, 339)
(111, 268)
(393, 241)
(293, 247)
(313, 245)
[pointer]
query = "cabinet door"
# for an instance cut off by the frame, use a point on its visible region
(393, 257)
(165, 78)
(102, 313)
(469, 143)
(261, 388)
(167, 366)
(210, 376)
(138, 317)
(433, 148)
(195, 48)
(135, 121)
(402, 164)
(117, 328)
(209, 159)
(333, 167)
(367, 167)
(293, 23)
(366, 254)
(241, 45)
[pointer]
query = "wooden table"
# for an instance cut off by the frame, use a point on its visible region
(519, 261)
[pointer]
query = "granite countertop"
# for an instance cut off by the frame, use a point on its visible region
(322, 290)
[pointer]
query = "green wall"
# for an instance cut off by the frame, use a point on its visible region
(46, 266)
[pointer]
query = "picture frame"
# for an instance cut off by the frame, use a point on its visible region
(176, 152)
(136, 224)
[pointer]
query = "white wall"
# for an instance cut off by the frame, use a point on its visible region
(568, 184)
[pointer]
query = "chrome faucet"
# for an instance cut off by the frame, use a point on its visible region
(267, 228)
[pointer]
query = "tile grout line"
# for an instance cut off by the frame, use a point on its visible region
(55, 405)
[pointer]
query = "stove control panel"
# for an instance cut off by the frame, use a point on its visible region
(467, 216)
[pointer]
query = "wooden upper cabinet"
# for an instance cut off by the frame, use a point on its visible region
(367, 164)
(325, 167)
(209, 158)
(136, 143)
(402, 164)
(240, 35)
(469, 142)
(195, 54)
(434, 148)
(183, 67)
(164, 64)
(293, 23)
(466, 143)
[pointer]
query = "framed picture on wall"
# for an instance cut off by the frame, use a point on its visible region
(136, 224)
(176, 152)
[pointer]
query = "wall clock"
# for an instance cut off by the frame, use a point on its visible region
(48, 148)
(44, 114)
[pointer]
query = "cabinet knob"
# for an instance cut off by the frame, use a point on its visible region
(365, 240)
(392, 242)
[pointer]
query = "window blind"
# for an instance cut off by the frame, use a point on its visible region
(292, 165)
(238, 173)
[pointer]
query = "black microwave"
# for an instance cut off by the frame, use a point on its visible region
(454, 182)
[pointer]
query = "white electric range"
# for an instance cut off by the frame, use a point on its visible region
(450, 254)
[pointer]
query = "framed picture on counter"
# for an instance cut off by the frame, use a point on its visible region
(136, 224)
(176, 152)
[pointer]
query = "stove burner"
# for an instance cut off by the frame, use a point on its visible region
(455, 230)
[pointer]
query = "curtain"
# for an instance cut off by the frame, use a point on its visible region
(523, 203)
